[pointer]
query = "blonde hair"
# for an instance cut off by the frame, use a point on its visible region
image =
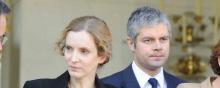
(94, 26)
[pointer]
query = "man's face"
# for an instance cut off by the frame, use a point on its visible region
(151, 47)
(2, 28)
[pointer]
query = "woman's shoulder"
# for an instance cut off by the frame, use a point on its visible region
(109, 86)
(189, 85)
(37, 83)
(48, 82)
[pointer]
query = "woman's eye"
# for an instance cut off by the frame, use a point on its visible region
(84, 51)
(68, 49)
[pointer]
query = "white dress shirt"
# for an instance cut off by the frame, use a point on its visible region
(143, 77)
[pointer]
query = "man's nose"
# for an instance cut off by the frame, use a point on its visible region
(157, 46)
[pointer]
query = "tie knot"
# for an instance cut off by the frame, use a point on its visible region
(153, 82)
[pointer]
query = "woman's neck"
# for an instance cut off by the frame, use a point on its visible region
(85, 82)
(216, 82)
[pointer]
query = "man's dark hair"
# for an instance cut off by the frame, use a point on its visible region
(4, 9)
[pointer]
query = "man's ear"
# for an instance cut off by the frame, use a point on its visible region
(130, 43)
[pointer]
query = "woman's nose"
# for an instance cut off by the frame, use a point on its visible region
(74, 57)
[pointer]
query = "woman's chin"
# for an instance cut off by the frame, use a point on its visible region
(75, 74)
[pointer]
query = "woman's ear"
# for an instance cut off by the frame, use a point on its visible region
(102, 59)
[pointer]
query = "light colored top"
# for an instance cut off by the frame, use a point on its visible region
(143, 77)
(204, 84)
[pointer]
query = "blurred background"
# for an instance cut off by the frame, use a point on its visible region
(35, 26)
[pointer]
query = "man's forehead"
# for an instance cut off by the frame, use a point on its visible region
(154, 31)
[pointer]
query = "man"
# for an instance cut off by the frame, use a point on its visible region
(149, 33)
(4, 10)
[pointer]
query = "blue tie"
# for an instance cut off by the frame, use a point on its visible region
(153, 82)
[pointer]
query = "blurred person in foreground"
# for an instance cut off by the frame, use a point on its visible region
(210, 82)
(4, 11)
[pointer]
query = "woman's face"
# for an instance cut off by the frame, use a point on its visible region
(81, 54)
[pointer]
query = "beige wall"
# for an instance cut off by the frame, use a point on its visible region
(37, 25)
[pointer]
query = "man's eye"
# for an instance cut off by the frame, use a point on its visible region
(164, 39)
(147, 40)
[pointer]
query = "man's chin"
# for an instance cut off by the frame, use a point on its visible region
(157, 65)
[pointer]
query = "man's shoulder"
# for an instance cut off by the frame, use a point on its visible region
(114, 78)
(172, 81)
(170, 77)
(117, 79)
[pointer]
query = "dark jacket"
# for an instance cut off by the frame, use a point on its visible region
(127, 79)
(59, 82)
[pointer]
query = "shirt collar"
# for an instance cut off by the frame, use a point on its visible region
(143, 77)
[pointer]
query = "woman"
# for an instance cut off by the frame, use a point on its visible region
(86, 45)
(211, 82)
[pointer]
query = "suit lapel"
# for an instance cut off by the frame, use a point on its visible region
(129, 78)
(169, 80)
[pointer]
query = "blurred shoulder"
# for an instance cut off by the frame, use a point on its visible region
(189, 85)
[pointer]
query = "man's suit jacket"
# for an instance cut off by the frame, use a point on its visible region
(204, 84)
(127, 79)
(59, 82)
